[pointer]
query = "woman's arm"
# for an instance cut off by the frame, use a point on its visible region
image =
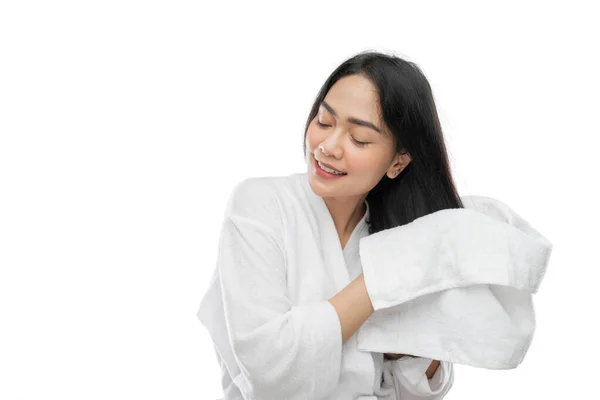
(432, 368)
(353, 307)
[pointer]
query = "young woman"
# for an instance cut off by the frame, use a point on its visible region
(288, 299)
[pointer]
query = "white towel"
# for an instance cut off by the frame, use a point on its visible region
(455, 285)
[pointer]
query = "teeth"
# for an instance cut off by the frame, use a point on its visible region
(331, 171)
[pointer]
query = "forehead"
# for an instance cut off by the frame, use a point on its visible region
(354, 96)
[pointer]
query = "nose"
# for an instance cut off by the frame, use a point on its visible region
(331, 145)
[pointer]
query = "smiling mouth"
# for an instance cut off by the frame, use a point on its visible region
(327, 166)
(327, 172)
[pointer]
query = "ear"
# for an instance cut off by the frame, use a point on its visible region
(400, 161)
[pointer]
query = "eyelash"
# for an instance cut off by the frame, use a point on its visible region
(361, 144)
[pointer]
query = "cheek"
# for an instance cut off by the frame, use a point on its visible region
(364, 165)
(368, 162)
(312, 139)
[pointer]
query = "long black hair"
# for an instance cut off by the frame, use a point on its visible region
(408, 109)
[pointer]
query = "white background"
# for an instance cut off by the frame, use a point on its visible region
(125, 124)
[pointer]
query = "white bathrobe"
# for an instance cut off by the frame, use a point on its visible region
(276, 335)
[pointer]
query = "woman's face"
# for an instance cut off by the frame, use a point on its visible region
(351, 146)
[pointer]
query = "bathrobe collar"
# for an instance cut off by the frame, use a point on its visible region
(333, 254)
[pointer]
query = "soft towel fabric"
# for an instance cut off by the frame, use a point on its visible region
(453, 248)
(455, 285)
(275, 334)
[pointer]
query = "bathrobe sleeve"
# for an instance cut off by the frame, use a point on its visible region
(283, 351)
(407, 376)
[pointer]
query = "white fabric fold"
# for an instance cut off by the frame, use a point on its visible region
(405, 379)
(455, 285)
(272, 348)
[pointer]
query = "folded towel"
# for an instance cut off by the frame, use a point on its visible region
(455, 285)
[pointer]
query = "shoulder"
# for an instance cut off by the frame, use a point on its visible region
(257, 199)
(250, 195)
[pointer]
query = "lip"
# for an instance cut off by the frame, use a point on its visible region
(329, 166)
(324, 174)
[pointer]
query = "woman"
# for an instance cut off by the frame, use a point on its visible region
(288, 298)
(370, 115)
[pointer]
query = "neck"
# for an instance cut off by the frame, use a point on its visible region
(346, 212)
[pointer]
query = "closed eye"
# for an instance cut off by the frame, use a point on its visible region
(361, 144)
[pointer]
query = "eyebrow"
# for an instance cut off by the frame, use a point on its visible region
(352, 120)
